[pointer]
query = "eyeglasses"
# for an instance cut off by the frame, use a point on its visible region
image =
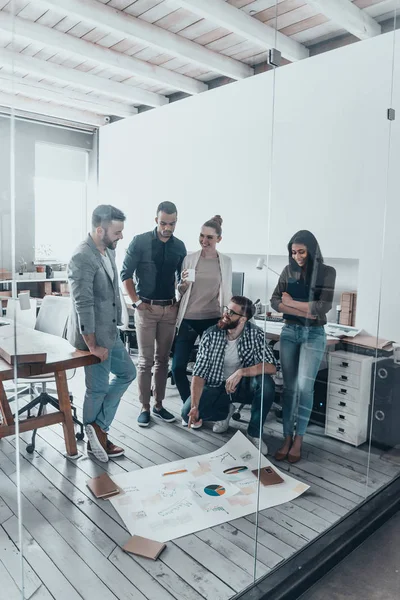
(231, 312)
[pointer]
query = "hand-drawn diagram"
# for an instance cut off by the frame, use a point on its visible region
(169, 501)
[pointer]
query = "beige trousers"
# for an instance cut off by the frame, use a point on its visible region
(155, 330)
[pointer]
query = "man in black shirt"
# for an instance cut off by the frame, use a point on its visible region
(155, 260)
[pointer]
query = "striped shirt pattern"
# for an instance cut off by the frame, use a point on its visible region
(252, 348)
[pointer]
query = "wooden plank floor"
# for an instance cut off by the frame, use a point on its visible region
(72, 541)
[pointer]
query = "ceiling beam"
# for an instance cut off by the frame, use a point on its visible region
(115, 21)
(239, 22)
(42, 108)
(38, 91)
(104, 56)
(349, 16)
(45, 69)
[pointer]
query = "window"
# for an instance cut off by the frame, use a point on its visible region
(60, 201)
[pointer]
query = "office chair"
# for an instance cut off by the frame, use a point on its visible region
(127, 331)
(25, 318)
(52, 319)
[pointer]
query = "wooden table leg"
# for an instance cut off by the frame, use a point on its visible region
(65, 408)
(5, 409)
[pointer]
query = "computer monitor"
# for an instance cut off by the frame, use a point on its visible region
(237, 284)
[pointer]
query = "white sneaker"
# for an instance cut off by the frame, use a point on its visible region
(222, 426)
(256, 442)
(184, 424)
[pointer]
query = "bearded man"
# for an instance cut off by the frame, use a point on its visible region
(93, 325)
(234, 364)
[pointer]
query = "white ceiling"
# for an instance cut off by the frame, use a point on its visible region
(84, 60)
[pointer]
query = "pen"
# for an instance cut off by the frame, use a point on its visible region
(175, 472)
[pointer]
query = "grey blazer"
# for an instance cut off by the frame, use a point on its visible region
(96, 304)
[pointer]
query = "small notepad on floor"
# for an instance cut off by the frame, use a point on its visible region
(267, 476)
(144, 547)
(103, 486)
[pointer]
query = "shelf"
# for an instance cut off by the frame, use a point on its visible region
(33, 280)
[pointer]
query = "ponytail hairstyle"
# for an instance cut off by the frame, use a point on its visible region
(215, 223)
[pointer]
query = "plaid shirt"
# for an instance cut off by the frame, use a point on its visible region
(252, 350)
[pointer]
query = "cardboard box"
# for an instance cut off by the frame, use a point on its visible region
(348, 304)
(5, 274)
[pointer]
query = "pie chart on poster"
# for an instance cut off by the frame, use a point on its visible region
(214, 490)
(235, 470)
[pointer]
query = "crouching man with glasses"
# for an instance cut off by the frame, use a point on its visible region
(234, 364)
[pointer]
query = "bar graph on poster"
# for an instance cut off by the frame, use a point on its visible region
(169, 501)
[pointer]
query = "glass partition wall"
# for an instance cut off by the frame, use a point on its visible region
(13, 574)
(297, 422)
(383, 412)
(333, 202)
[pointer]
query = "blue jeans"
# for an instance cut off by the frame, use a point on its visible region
(214, 401)
(301, 352)
(188, 333)
(103, 396)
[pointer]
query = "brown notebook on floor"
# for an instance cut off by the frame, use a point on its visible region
(103, 486)
(144, 547)
(267, 476)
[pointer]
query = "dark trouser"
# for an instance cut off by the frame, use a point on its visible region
(188, 332)
(214, 401)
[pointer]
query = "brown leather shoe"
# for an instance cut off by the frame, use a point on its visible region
(113, 451)
(294, 458)
(295, 451)
(282, 453)
(97, 441)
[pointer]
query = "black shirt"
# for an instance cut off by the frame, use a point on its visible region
(156, 265)
(320, 297)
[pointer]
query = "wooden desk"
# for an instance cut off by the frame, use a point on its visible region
(61, 357)
(273, 331)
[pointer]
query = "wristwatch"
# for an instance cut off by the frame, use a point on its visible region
(138, 303)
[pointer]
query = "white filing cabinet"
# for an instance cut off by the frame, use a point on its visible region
(348, 397)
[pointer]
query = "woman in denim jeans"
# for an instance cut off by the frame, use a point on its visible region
(304, 295)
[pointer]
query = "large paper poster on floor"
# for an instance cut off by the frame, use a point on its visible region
(169, 501)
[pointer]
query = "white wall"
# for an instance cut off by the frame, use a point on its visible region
(211, 154)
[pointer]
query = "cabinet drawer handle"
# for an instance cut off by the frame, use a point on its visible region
(342, 417)
(342, 403)
(344, 364)
(343, 391)
(340, 430)
(343, 378)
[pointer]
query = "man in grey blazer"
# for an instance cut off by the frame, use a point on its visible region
(95, 314)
